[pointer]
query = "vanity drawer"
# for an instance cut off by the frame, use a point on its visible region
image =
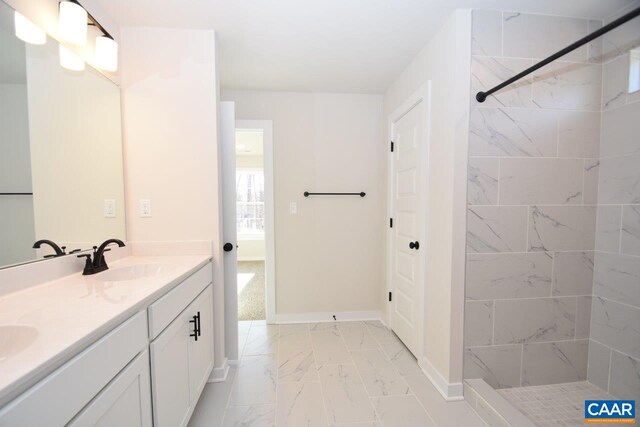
(167, 308)
(55, 400)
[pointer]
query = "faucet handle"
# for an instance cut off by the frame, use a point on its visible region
(64, 250)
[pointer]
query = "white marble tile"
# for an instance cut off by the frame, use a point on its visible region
(329, 348)
(562, 228)
(478, 323)
(538, 36)
(623, 38)
(404, 361)
(498, 365)
(615, 82)
(496, 229)
(379, 376)
(255, 381)
(568, 85)
(254, 416)
(541, 181)
(345, 397)
(489, 414)
(365, 424)
(625, 376)
(578, 133)
(595, 46)
(295, 331)
(512, 132)
(630, 233)
(572, 273)
(213, 402)
(555, 362)
(591, 180)
(599, 360)
(243, 327)
(617, 277)
(357, 336)
(379, 330)
(620, 180)
(299, 404)
(323, 327)
(616, 325)
(620, 130)
(583, 317)
(482, 187)
(262, 340)
(486, 33)
(500, 276)
(534, 320)
(443, 413)
(608, 228)
(487, 72)
(296, 362)
(403, 411)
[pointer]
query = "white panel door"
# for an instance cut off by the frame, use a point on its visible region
(407, 260)
(229, 233)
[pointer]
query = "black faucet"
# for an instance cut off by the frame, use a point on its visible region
(59, 250)
(98, 264)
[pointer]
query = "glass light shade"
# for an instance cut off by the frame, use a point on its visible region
(70, 60)
(106, 53)
(72, 23)
(27, 31)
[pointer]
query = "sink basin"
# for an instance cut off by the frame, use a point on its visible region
(131, 272)
(15, 338)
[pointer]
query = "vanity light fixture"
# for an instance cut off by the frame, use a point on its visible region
(27, 31)
(106, 53)
(72, 23)
(70, 60)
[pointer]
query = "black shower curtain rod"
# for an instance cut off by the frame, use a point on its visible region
(482, 96)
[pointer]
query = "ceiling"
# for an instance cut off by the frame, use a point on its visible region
(323, 45)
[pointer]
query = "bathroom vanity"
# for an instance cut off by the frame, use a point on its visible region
(131, 346)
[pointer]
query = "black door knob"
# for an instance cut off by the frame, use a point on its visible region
(414, 245)
(228, 247)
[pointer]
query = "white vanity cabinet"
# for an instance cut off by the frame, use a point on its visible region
(181, 361)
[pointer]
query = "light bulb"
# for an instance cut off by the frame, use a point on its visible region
(27, 31)
(72, 23)
(70, 60)
(106, 53)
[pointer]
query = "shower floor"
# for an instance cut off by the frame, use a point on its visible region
(556, 404)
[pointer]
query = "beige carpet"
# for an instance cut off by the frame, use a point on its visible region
(251, 298)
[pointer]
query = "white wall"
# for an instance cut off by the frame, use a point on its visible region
(170, 115)
(444, 61)
(330, 256)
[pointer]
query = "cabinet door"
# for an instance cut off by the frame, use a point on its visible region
(170, 374)
(125, 402)
(201, 351)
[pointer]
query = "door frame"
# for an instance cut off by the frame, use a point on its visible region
(269, 211)
(422, 95)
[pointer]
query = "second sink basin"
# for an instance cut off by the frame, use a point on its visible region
(131, 272)
(15, 338)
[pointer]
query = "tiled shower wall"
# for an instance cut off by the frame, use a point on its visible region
(533, 183)
(614, 348)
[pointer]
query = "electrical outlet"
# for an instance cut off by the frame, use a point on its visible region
(293, 208)
(145, 208)
(109, 208)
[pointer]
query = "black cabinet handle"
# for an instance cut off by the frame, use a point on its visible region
(414, 245)
(195, 333)
(199, 331)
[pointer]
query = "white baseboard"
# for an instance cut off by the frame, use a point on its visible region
(250, 258)
(344, 316)
(450, 391)
(219, 375)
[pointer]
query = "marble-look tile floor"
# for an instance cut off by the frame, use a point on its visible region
(326, 374)
(556, 404)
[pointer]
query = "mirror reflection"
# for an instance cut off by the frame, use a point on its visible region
(61, 171)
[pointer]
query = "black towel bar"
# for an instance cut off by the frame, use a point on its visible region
(307, 194)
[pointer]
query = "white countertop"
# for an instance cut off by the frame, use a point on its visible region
(69, 314)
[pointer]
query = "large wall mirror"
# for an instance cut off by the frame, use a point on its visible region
(61, 169)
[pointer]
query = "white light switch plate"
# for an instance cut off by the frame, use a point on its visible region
(145, 208)
(293, 208)
(109, 208)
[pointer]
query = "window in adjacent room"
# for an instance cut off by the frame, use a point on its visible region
(634, 70)
(250, 202)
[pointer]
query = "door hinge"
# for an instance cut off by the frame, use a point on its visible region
(392, 146)
(390, 222)
(390, 298)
